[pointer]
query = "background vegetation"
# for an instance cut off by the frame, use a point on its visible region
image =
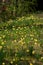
(10, 9)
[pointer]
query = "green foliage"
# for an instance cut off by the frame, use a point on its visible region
(14, 8)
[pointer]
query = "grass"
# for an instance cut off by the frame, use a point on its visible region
(21, 41)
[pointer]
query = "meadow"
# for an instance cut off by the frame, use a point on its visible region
(21, 41)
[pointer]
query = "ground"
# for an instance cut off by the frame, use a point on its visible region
(21, 41)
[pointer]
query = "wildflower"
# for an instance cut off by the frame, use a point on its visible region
(22, 58)
(5, 41)
(35, 43)
(31, 64)
(22, 35)
(16, 53)
(27, 50)
(25, 27)
(28, 18)
(0, 37)
(35, 40)
(3, 36)
(25, 35)
(41, 57)
(0, 47)
(32, 38)
(3, 63)
(16, 64)
(18, 27)
(13, 59)
(13, 28)
(23, 38)
(22, 43)
(2, 43)
(33, 52)
(14, 40)
(31, 35)
(11, 62)
(16, 32)
(19, 19)
(33, 61)
(32, 17)
(23, 17)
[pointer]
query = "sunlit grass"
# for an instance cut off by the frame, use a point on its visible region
(21, 42)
